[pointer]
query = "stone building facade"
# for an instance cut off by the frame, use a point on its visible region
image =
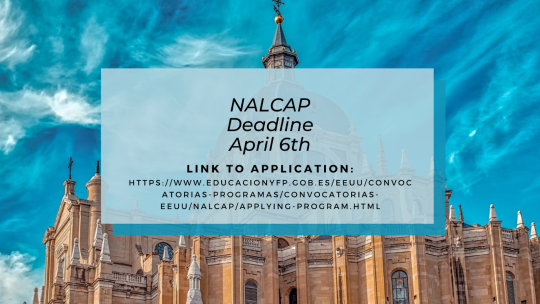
(86, 263)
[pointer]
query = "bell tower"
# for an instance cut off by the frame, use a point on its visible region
(280, 54)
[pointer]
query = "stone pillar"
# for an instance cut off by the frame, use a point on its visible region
(165, 287)
(340, 270)
(200, 248)
(104, 276)
(524, 289)
(302, 282)
(181, 261)
(379, 271)
(498, 274)
(535, 252)
(419, 271)
(237, 275)
(270, 269)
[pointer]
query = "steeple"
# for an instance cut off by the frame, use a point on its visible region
(381, 159)
(280, 54)
(534, 235)
(461, 219)
(194, 276)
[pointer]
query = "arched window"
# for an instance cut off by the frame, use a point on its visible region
(282, 243)
(250, 293)
(160, 248)
(510, 288)
(293, 297)
(400, 287)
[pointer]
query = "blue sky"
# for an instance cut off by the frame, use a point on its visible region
(51, 53)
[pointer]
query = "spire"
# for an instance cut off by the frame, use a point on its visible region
(105, 252)
(98, 235)
(381, 159)
(404, 160)
(452, 216)
(279, 37)
(97, 168)
(35, 300)
(182, 242)
(76, 254)
(280, 54)
(492, 214)
(461, 218)
(166, 256)
(520, 223)
(366, 168)
(194, 276)
(534, 235)
(432, 167)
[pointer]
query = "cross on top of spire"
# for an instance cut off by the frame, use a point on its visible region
(278, 3)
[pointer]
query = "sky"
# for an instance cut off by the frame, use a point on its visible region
(51, 53)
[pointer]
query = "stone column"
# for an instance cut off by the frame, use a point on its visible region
(525, 289)
(340, 270)
(498, 274)
(379, 271)
(419, 271)
(271, 270)
(302, 281)
(165, 286)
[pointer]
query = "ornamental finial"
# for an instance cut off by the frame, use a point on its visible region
(279, 18)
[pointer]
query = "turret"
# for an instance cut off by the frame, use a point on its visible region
(94, 196)
(194, 277)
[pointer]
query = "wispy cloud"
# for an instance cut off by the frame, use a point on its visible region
(14, 47)
(192, 51)
(93, 45)
(18, 278)
(22, 110)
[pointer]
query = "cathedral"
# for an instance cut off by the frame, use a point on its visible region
(87, 264)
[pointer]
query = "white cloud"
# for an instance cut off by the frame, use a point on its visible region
(18, 279)
(13, 49)
(191, 51)
(93, 41)
(20, 111)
